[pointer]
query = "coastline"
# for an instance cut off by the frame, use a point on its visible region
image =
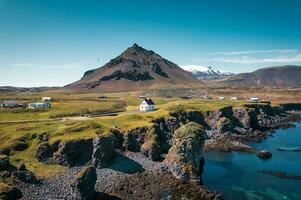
(144, 148)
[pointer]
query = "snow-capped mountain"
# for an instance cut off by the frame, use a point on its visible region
(203, 72)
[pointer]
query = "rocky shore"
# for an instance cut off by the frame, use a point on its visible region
(162, 161)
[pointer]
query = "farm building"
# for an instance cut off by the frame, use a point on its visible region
(11, 104)
(46, 99)
(45, 105)
(254, 99)
(147, 105)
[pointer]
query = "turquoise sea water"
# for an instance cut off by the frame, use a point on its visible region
(237, 175)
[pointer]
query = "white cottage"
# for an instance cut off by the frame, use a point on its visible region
(147, 105)
(254, 99)
(46, 99)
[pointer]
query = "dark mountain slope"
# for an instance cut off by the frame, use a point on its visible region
(282, 77)
(135, 69)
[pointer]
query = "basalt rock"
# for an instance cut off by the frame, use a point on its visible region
(4, 162)
(83, 186)
(264, 154)
(45, 150)
(130, 142)
(26, 176)
(18, 144)
(75, 152)
(8, 192)
(152, 145)
(103, 150)
(185, 157)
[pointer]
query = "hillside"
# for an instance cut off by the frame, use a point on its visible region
(135, 69)
(280, 77)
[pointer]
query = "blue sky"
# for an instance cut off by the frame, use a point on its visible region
(53, 42)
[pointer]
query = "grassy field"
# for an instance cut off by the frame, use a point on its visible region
(12, 134)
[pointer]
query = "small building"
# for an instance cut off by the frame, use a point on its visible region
(44, 105)
(207, 97)
(147, 105)
(46, 99)
(234, 98)
(11, 104)
(221, 98)
(254, 99)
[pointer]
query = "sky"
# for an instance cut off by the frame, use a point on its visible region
(53, 42)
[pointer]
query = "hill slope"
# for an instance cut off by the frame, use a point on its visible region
(136, 68)
(282, 77)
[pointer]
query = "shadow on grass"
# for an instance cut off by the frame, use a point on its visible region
(125, 165)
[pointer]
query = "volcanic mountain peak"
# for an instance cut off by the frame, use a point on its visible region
(135, 68)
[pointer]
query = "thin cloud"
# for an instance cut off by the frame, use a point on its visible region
(253, 56)
(255, 52)
(22, 64)
(252, 60)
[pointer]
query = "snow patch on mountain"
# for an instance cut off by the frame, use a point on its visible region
(205, 72)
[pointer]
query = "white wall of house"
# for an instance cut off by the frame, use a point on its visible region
(144, 107)
(46, 99)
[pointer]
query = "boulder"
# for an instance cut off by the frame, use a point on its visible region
(130, 142)
(151, 148)
(185, 157)
(26, 177)
(18, 144)
(103, 150)
(83, 186)
(4, 162)
(5, 151)
(264, 154)
(224, 124)
(8, 192)
(45, 150)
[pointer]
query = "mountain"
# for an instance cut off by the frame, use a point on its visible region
(202, 72)
(135, 69)
(18, 90)
(281, 77)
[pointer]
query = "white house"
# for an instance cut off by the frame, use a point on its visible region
(221, 98)
(254, 99)
(46, 99)
(45, 105)
(147, 105)
(234, 98)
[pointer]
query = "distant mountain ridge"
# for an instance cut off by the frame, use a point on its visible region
(134, 69)
(202, 72)
(280, 77)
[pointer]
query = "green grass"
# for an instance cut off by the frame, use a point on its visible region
(63, 109)
(72, 129)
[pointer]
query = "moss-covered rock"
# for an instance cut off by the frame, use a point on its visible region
(185, 157)
(45, 151)
(18, 144)
(83, 185)
(152, 145)
(103, 150)
(74, 152)
(8, 192)
(4, 162)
